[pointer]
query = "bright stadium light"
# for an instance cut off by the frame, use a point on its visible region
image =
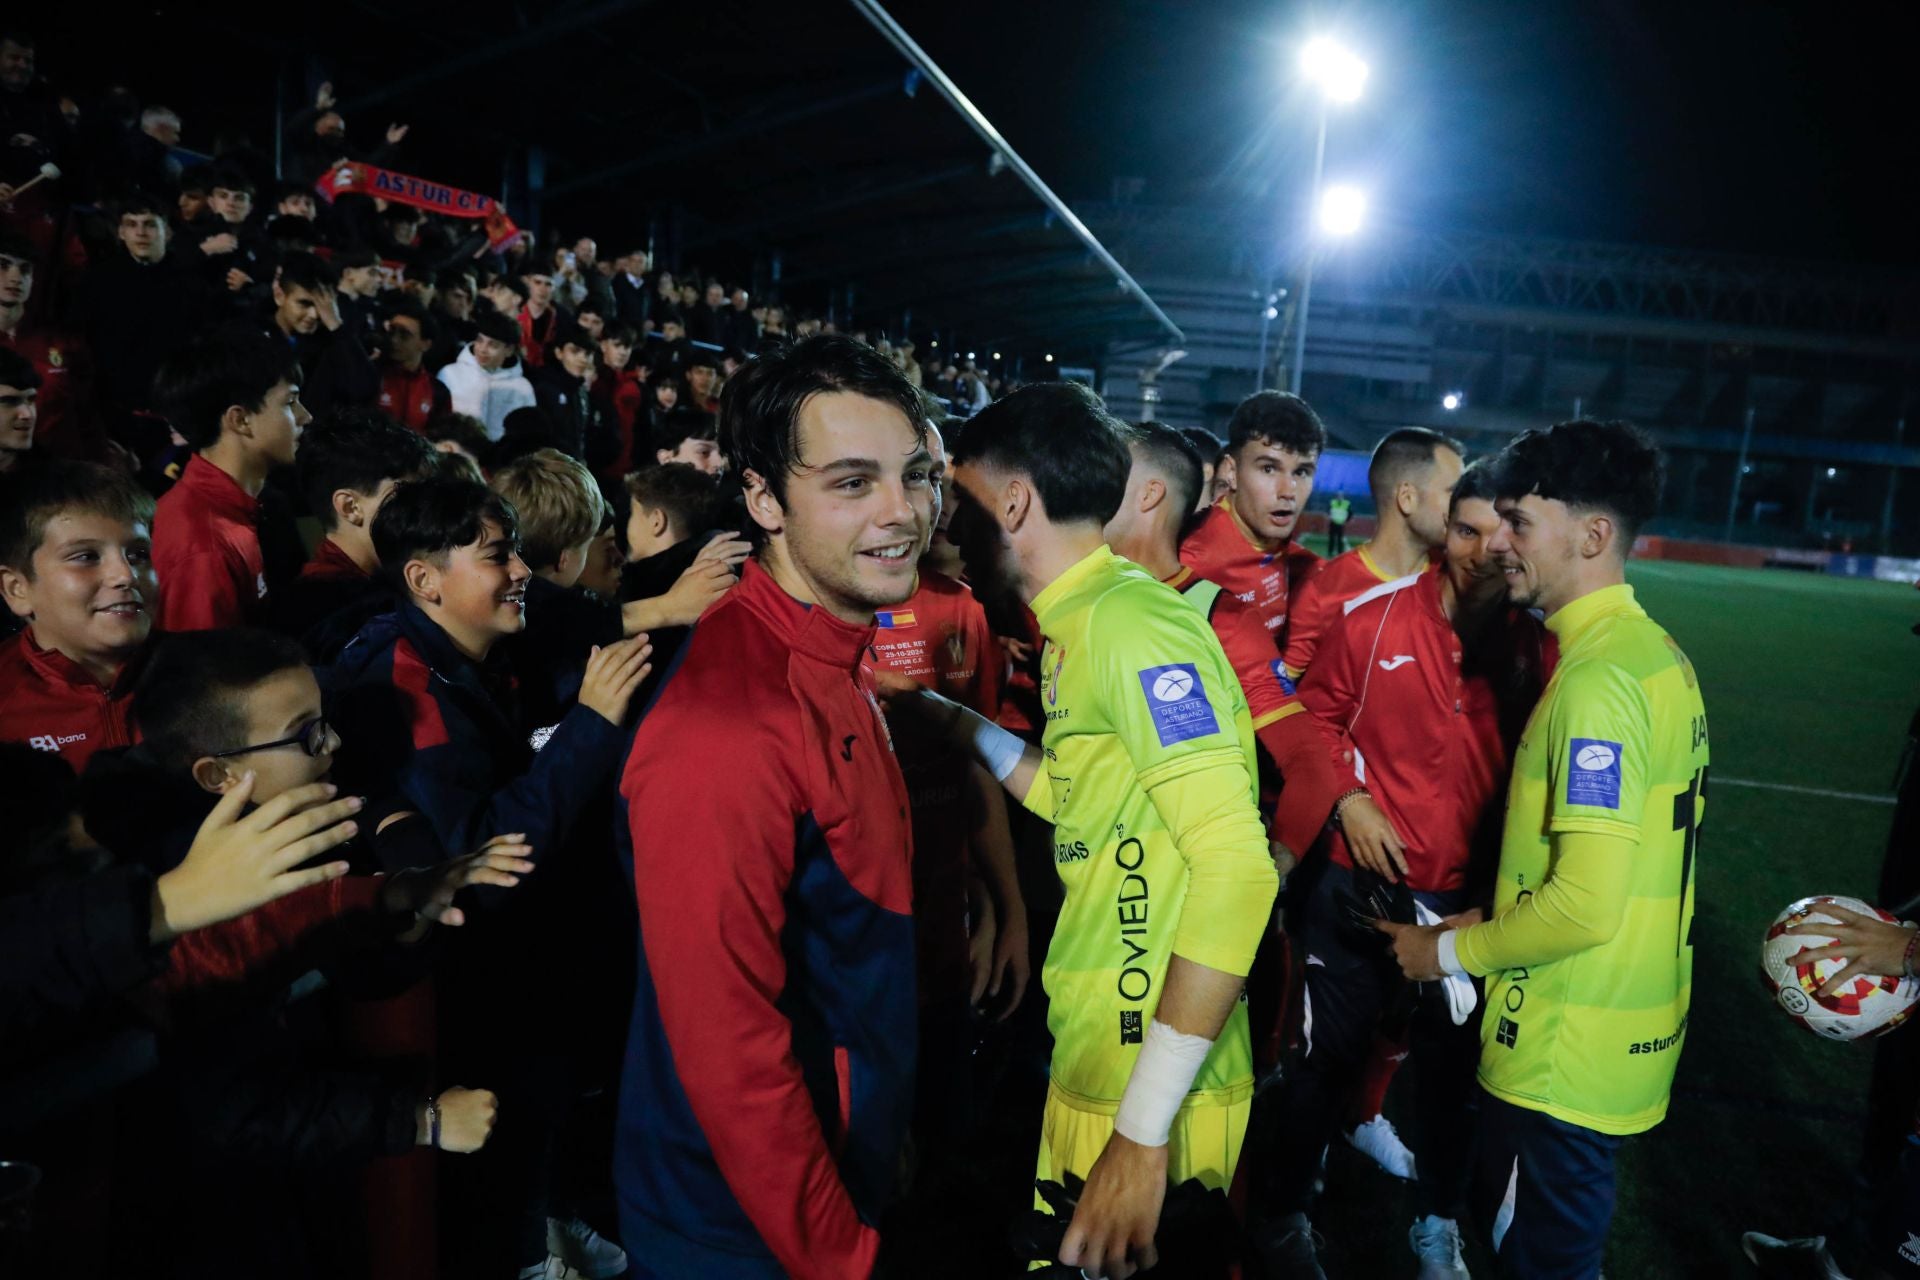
(1337, 71)
(1342, 210)
(1049, 357)
(996, 355)
(1832, 472)
(1452, 401)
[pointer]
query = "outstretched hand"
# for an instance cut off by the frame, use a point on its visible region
(1868, 944)
(429, 892)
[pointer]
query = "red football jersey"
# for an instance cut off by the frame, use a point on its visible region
(1426, 726)
(1289, 738)
(1318, 603)
(1221, 550)
(939, 637)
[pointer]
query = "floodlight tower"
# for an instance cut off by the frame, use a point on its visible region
(1339, 76)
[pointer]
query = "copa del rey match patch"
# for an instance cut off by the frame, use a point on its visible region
(1593, 773)
(1178, 703)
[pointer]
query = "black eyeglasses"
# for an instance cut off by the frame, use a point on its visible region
(315, 738)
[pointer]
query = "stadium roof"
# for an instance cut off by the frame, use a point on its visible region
(737, 134)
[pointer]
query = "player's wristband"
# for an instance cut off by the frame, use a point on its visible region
(1345, 796)
(1450, 953)
(1162, 1075)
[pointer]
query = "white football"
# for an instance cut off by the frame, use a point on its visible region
(1869, 1005)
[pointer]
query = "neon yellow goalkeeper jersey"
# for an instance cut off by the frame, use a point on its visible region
(1616, 746)
(1149, 781)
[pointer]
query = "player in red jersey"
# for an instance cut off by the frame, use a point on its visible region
(1161, 490)
(1245, 543)
(1411, 476)
(1420, 691)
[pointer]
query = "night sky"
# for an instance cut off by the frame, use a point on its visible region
(1772, 128)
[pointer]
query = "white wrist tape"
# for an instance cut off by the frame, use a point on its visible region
(997, 749)
(1162, 1075)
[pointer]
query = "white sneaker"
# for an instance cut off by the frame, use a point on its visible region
(1436, 1242)
(585, 1251)
(1377, 1140)
(1805, 1258)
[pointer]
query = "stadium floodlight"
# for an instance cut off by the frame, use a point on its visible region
(1049, 357)
(996, 355)
(1452, 401)
(1337, 71)
(1342, 209)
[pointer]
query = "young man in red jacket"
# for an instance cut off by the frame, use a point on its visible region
(409, 393)
(1420, 691)
(770, 1057)
(1245, 543)
(235, 399)
(77, 563)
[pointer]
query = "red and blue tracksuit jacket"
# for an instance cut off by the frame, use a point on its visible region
(769, 1066)
(418, 717)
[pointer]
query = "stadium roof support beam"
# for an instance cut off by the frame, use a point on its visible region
(874, 12)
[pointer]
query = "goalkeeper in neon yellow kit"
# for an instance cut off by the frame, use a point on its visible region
(1147, 772)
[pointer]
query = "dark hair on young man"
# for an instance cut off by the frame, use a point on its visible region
(196, 179)
(514, 285)
(30, 501)
(684, 424)
(230, 178)
(1060, 436)
(284, 191)
(491, 324)
(462, 429)
(17, 371)
(357, 256)
(427, 519)
(191, 699)
(1613, 467)
(1479, 480)
(621, 332)
(686, 493)
(1403, 454)
(307, 271)
(292, 234)
(699, 358)
(1278, 418)
(574, 336)
(453, 278)
(196, 386)
(1208, 445)
(760, 409)
(139, 202)
(1172, 454)
(18, 247)
(398, 304)
(357, 449)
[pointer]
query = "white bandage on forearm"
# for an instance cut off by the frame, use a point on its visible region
(1162, 1075)
(996, 749)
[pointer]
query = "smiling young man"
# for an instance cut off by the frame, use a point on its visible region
(1147, 772)
(1418, 690)
(1588, 955)
(1245, 543)
(485, 381)
(76, 563)
(770, 1057)
(235, 399)
(305, 314)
